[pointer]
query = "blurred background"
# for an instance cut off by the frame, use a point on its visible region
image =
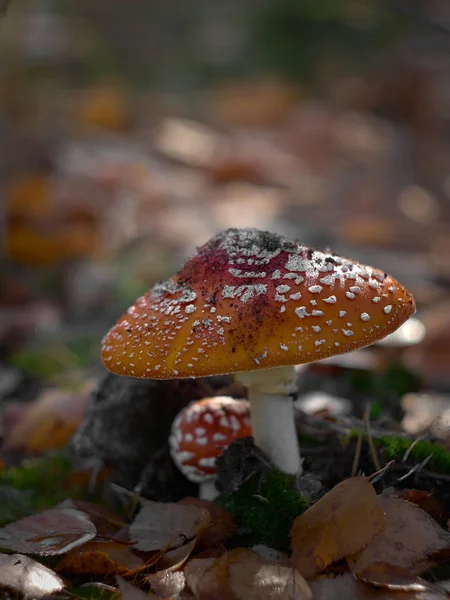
(131, 132)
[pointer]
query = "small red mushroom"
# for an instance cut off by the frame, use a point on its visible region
(249, 301)
(201, 431)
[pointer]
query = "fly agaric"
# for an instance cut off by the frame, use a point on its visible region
(248, 301)
(201, 431)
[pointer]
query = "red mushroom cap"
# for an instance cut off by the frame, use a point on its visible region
(251, 300)
(201, 431)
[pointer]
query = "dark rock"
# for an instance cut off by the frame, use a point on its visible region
(239, 462)
(127, 425)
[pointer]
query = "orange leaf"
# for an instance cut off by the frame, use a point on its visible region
(48, 423)
(99, 558)
(340, 524)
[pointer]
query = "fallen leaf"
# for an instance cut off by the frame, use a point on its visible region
(100, 558)
(392, 577)
(104, 105)
(409, 538)
(222, 526)
(30, 197)
(194, 572)
(348, 588)
(241, 574)
(167, 583)
(28, 577)
(340, 524)
(54, 531)
(129, 592)
(48, 423)
(268, 582)
(165, 525)
(427, 501)
(105, 520)
(254, 103)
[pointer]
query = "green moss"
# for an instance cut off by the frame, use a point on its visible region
(92, 592)
(264, 508)
(351, 435)
(35, 485)
(395, 448)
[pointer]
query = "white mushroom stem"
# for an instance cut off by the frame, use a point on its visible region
(208, 490)
(272, 415)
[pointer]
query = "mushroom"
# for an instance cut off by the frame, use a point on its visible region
(248, 301)
(201, 431)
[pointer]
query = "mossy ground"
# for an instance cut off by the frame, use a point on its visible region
(394, 448)
(35, 485)
(264, 508)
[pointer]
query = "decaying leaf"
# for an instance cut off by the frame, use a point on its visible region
(51, 532)
(173, 560)
(409, 538)
(346, 587)
(341, 523)
(99, 558)
(222, 526)
(28, 577)
(165, 525)
(241, 574)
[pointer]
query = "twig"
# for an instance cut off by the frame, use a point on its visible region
(379, 474)
(415, 442)
(415, 468)
(373, 451)
(357, 454)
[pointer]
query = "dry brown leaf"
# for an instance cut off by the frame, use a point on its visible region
(409, 538)
(30, 197)
(222, 526)
(427, 501)
(28, 577)
(100, 558)
(340, 524)
(166, 525)
(51, 532)
(392, 577)
(194, 571)
(346, 587)
(268, 582)
(167, 583)
(105, 520)
(48, 423)
(252, 103)
(241, 574)
(104, 105)
(173, 560)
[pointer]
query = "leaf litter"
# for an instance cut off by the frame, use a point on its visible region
(353, 543)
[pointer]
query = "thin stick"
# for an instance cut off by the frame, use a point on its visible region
(357, 454)
(379, 474)
(373, 451)
(415, 442)
(416, 468)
